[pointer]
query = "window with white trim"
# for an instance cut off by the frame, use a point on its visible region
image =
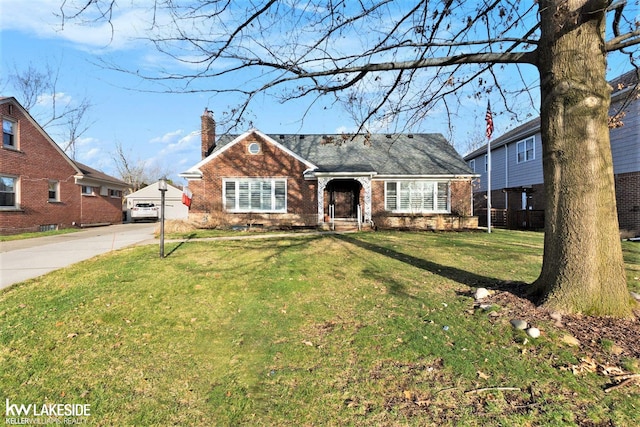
(418, 196)
(254, 148)
(8, 191)
(255, 195)
(472, 164)
(54, 191)
(87, 190)
(525, 150)
(9, 134)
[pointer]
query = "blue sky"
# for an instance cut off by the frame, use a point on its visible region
(161, 129)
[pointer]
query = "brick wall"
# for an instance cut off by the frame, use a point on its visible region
(628, 201)
(36, 162)
(458, 219)
(270, 162)
(100, 209)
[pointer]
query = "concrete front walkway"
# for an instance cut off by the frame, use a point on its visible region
(25, 259)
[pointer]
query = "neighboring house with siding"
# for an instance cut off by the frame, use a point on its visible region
(410, 180)
(517, 190)
(41, 188)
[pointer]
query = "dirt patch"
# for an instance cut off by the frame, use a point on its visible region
(606, 340)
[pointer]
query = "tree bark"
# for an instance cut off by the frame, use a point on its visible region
(583, 269)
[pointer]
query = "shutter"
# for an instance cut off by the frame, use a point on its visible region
(280, 194)
(230, 195)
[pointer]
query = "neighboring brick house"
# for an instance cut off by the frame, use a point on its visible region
(517, 190)
(412, 181)
(41, 188)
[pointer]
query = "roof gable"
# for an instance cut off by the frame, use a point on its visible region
(151, 191)
(36, 125)
(227, 142)
(82, 171)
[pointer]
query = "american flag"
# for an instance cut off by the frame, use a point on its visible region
(489, 118)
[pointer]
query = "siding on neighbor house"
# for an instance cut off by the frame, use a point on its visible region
(505, 169)
(625, 150)
(626, 153)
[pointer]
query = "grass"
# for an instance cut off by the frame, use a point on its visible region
(359, 329)
(22, 236)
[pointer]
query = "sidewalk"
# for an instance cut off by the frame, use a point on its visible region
(25, 259)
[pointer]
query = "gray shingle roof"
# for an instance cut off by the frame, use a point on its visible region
(396, 154)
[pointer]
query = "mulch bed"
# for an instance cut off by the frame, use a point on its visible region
(590, 331)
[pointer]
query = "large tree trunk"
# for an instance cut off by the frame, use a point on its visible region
(583, 269)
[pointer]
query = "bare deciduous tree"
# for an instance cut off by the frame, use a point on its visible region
(65, 120)
(137, 173)
(394, 61)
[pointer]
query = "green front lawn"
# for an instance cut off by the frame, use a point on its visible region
(359, 329)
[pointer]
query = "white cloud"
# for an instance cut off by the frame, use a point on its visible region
(167, 137)
(44, 18)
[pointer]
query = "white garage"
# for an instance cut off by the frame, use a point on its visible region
(173, 206)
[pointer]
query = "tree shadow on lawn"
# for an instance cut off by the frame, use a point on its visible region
(473, 280)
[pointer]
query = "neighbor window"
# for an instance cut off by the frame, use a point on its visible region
(8, 190)
(255, 195)
(115, 193)
(8, 133)
(87, 190)
(417, 196)
(472, 164)
(525, 150)
(54, 191)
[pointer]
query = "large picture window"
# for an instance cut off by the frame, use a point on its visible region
(525, 150)
(8, 190)
(417, 196)
(255, 195)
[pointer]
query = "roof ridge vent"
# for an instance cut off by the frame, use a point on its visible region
(410, 135)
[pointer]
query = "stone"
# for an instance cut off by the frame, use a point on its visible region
(570, 340)
(557, 317)
(486, 307)
(481, 293)
(519, 324)
(635, 296)
(533, 332)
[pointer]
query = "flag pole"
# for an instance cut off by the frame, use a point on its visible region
(489, 119)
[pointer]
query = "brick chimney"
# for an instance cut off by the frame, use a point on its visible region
(208, 128)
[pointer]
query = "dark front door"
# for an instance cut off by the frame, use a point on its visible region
(344, 196)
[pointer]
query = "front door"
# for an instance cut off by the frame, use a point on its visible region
(344, 196)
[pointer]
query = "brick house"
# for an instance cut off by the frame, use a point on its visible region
(517, 189)
(41, 188)
(396, 181)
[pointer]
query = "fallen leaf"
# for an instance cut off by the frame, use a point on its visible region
(72, 335)
(483, 376)
(309, 343)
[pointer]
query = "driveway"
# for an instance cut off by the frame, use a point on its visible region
(25, 259)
